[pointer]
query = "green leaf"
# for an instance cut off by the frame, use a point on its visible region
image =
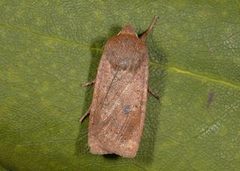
(49, 48)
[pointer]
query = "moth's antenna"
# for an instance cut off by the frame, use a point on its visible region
(144, 35)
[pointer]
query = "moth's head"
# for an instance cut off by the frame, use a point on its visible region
(128, 29)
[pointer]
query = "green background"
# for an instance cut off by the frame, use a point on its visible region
(49, 48)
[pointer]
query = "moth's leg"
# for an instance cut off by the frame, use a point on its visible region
(144, 35)
(91, 83)
(153, 94)
(85, 115)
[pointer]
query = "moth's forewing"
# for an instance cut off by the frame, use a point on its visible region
(119, 101)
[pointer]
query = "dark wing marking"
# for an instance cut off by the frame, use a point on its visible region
(108, 90)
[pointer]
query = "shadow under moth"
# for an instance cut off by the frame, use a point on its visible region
(117, 111)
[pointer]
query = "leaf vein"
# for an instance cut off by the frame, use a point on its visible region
(204, 77)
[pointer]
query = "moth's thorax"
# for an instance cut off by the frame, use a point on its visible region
(128, 29)
(125, 51)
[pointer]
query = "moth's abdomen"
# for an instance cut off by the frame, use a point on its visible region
(125, 52)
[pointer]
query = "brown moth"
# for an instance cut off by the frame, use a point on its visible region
(117, 111)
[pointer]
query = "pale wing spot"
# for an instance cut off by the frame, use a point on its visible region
(129, 144)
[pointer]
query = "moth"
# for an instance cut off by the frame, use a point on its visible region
(117, 111)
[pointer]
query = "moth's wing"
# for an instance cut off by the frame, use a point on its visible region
(118, 109)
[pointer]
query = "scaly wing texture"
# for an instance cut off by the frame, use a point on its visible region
(118, 110)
